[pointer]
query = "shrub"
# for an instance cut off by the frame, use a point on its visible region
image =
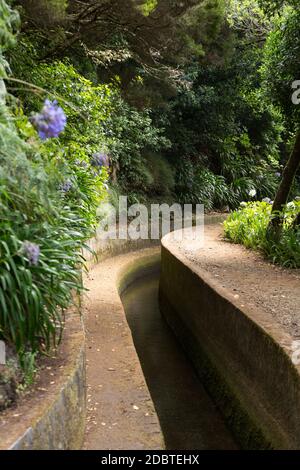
(87, 108)
(47, 206)
(132, 136)
(163, 180)
(198, 185)
(249, 226)
(40, 245)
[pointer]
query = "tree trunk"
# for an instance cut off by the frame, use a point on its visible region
(284, 189)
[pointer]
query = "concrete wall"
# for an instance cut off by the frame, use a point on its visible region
(243, 360)
(99, 250)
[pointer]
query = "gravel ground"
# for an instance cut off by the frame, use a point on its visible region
(250, 278)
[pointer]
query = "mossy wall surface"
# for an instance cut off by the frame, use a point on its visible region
(62, 426)
(53, 418)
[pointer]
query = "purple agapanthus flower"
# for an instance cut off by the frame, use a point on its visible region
(51, 121)
(32, 252)
(81, 163)
(100, 159)
(66, 186)
(267, 200)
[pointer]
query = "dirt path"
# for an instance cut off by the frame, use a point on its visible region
(120, 411)
(253, 281)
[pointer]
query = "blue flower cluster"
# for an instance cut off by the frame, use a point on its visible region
(32, 252)
(51, 121)
(100, 160)
(66, 186)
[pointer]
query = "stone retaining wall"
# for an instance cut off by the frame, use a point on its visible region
(52, 417)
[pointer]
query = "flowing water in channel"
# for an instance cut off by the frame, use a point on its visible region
(188, 417)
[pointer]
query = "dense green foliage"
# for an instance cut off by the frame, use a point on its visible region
(87, 107)
(34, 292)
(98, 119)
(200, 105)
(186, 101)
(224, 139)
(50, 190)
(278, 233)
(249, 226)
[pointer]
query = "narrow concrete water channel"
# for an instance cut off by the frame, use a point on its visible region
(188, 417)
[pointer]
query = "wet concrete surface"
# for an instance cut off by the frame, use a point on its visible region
(188, 417)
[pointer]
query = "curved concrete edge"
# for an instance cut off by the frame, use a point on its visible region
(99, 249)
(54, 418)
(243, 358)
(127, 386)
(138, 268)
